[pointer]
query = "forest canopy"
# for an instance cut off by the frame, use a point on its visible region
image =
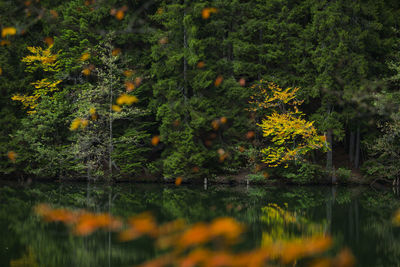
(165, 89)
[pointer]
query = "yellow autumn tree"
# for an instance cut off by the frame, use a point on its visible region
(45, 60)
(291, 136)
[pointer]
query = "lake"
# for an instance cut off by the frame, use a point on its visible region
(356, 217)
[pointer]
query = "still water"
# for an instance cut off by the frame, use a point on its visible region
(356, 217)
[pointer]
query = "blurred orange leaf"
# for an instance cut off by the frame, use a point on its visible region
(206, 12)
(129, 86)
(138, 81)
(176, 122)
(12, 156)
(155, 140)
(5, 42)
(86, 71)
(54, 13)
(120, 15)
(215, 124)
(128, 73)
(198, 234)
(201, 64)
(250, 134)
(178, 181)
(116, 52)
(8, 31)
(49, 40)
(163, 40)
(218, 80)
(226, 227)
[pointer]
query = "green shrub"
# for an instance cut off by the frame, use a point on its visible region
(304, 173)
(256, 177)
(343, 174)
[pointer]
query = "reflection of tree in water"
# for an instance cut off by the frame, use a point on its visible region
(383, 236)
(356, 217)
(286, 225)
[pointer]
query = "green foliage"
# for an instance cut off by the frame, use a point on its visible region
(256, 177)
(193, 72)
(305, 173)
(343, 175)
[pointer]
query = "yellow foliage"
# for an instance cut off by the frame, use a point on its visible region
(292, 136)
(42, 88)
(127, 99)
(5, 42)
(116, 108)
(86, 71)
(46, 61)
(396, 218)
(27, 259)
(8, 31)
(85, 56)
(45, 57)
(270, 95)
(78, 123)
(93, 113)
(12, 156)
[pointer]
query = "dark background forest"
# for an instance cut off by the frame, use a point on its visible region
(161, 89)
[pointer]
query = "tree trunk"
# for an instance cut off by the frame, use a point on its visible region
(351, 146)
(185, 45)
(329, 154)
(110, 149)
(357, 154)
(260, 37)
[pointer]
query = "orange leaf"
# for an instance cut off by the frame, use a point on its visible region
(155, 140)
(218, 80)
(200, 64)
(12, 156)
(129, 86)
(178, 181)
(120, 15)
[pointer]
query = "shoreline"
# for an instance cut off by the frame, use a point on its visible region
(234, 179)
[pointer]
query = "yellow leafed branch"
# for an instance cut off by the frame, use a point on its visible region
(291, 136)
(46, 60)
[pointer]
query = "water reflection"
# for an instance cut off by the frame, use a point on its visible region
(358, 218)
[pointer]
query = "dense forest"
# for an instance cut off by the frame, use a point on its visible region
(302, 90)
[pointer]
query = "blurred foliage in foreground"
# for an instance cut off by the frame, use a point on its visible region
(201, 244)
(354, 217)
